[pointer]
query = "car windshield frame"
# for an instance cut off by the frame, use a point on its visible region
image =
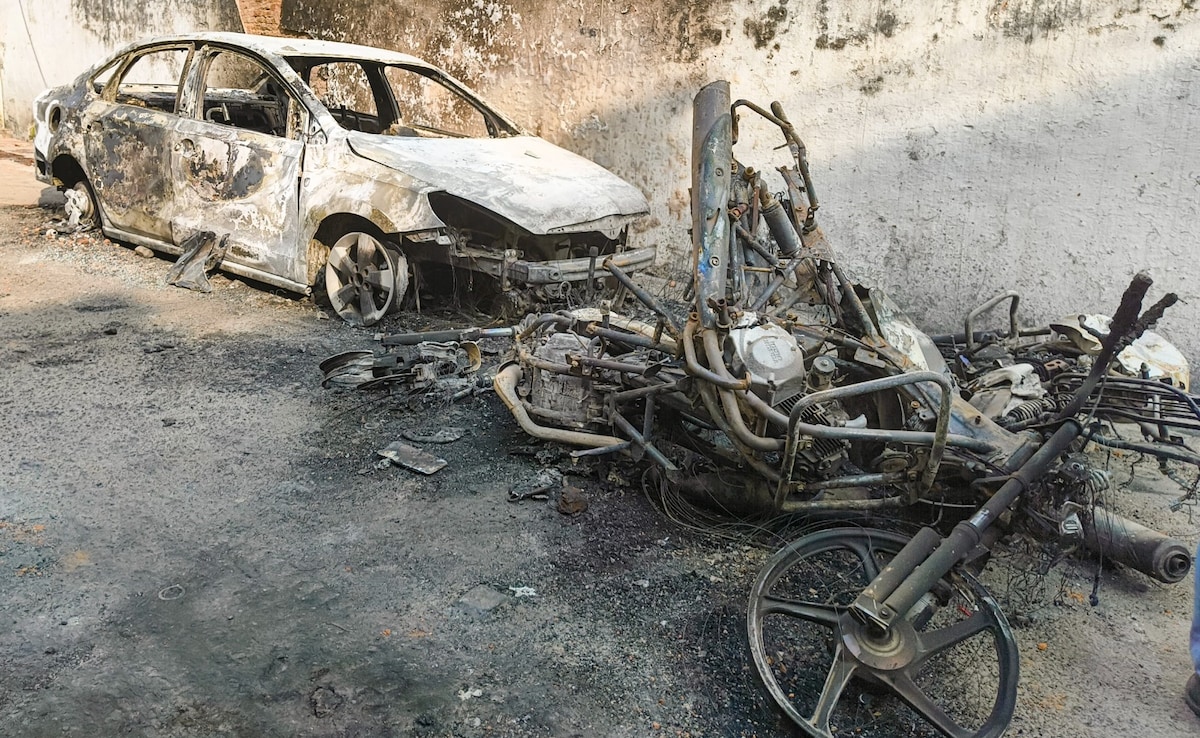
(498, 125)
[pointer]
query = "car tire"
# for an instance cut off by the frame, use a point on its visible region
(364, 278)
(89, 216)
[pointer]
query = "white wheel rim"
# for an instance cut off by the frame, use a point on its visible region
(360, 278)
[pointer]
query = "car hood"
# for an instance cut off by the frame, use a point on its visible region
(525, 179)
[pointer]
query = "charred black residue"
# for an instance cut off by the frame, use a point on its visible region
(885, 23)
(764, 30)
(872, 86)
(837, 43)
(1027, 19)
(695, 27)
(856, 34)
(221, 176)
(246, 179)
(129, 163)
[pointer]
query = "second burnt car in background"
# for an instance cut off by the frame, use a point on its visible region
(328, 161)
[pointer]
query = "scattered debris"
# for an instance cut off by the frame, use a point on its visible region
(781, 386)
(784, 387)
(201, 255)
(449, 434)
(537, 488)
(143, 252)
(481, 600)
(411, 457)
(468, 693)
(423, 367)
(519, 592)
(571, 500)
(324, 701)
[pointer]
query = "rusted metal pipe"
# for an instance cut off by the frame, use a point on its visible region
(640, 440)
(505, 385)
(633, 339)
(1122, 540)
(818, 506)
(1013, 331)
(654, 389)
(856, 480)
(856, 303)
(641, 294)
(700, 372)
(712, 157)
(463, 334)
(915, 581)
(753, 242)
(729, 402)
(778, 279)
(708, 397)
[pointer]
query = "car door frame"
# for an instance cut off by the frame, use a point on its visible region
(258, 204)
(132, 181)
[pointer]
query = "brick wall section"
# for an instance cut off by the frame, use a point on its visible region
(261, 16)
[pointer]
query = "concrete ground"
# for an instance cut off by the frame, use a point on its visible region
(17, 183)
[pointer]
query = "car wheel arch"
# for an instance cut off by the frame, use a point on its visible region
(67, 170)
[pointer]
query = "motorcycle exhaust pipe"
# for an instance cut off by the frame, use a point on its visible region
(1136, 546)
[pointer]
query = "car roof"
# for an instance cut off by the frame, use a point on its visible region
(296, 47)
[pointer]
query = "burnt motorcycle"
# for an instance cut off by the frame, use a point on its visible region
(783, 386)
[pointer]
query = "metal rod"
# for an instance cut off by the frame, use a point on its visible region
(938, 445)
(1161, 450)
(640, 392)
(855, 480)
(623, 445)
(856, 303)
(633, 339)
(1012, 315)
(641, 370)
(817, 506)
(641, 294)
(752, 241)
(462, 334)
(646, 445)
(781, 276)
(694, 367)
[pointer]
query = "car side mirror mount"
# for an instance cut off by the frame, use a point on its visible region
(315, 134)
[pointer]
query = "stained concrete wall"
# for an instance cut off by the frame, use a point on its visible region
(960, 149)
(49, 42)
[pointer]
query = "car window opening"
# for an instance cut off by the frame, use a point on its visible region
(392, 100)
(240, 92)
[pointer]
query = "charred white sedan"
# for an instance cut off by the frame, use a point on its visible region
(328, 162)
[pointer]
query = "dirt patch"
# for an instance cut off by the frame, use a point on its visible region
(195, 541)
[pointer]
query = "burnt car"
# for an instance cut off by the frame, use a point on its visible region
(328, 162)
